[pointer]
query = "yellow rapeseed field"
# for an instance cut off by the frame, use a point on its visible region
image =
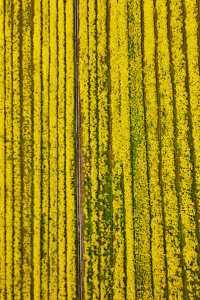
(99, 149)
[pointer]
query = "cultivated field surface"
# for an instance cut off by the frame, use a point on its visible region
(99, 149)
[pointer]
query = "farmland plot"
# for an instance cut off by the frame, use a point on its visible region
(99, 149)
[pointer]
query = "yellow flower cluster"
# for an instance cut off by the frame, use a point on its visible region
(37, 150)
(125, 147)
(104, 192)
(84, 101)
(167, 174)
(70, 156)
(38, 173)
(186, 78)
(61, 139)
(2, 152)
(141, 215)
(135, 143)
(53, 204)
(116, 163)
(8, 156)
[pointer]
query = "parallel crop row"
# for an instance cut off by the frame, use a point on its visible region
(139, 90)
(38, 186)
(99, 149)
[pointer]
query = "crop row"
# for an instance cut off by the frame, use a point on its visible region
(38, 182)
(104, 203)
(139, 78)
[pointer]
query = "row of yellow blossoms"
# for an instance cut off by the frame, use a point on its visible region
(37, 164)
(139, 141)
(139, 78)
